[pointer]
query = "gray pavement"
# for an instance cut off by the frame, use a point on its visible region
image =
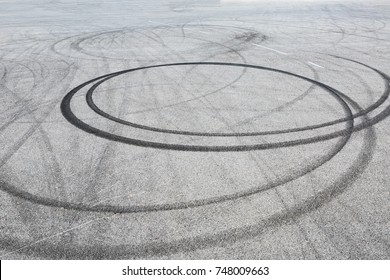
(194, 129)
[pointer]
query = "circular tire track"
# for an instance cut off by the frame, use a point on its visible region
(344, 134)
(48, 249)
(233, 43)
(69, 115)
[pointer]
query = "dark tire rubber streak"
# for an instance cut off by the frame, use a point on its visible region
(68, 114)
(65, 107)
(196, 203)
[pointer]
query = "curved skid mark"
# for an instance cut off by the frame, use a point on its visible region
(110, 208)
(68, 114)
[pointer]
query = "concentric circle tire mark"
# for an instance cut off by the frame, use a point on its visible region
(65, 106)
(214, 239)
(195, 203)
(69, 115)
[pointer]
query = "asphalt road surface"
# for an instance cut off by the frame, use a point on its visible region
(194, 129)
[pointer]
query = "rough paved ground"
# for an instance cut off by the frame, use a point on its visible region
(240, 130)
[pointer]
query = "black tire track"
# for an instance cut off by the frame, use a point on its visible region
(122, 209)
(68, 114)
